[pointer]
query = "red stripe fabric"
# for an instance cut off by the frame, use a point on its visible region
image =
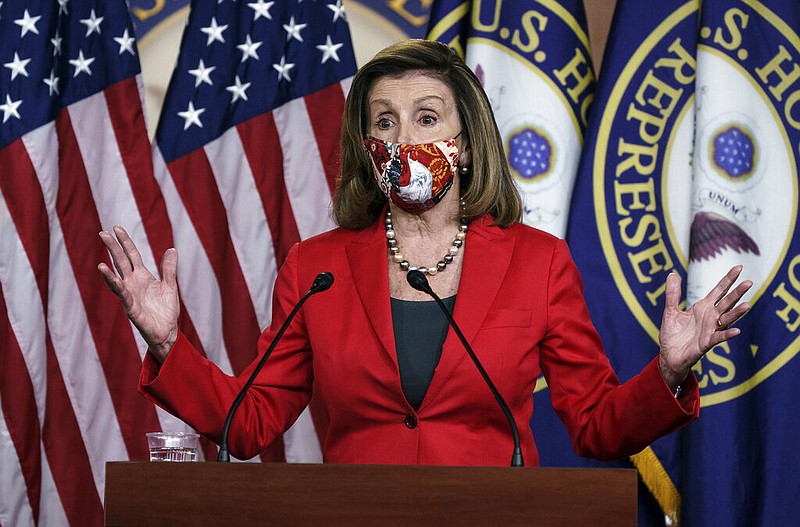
(19, 408)
(259, 138)
(321, 105)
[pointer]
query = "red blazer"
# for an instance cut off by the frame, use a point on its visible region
(519, 304)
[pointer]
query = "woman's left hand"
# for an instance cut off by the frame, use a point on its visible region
(685, 336)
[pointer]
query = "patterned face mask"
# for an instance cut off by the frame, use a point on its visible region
(414, 177)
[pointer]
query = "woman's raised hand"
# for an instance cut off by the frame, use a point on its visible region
(152, 305)
(685, 336)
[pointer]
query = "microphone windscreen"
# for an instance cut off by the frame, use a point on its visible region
(417, 280)
(322, 282)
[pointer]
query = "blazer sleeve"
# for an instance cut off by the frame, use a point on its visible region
(605, 420)
(193, 388)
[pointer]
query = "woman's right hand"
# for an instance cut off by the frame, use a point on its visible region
(152, 305)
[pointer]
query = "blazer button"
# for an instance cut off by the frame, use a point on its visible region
(411, 421)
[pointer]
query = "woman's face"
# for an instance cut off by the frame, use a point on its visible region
(413, 108)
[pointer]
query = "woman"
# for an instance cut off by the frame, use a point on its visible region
(393, 384)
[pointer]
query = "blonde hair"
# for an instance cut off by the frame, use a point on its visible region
(487, 188)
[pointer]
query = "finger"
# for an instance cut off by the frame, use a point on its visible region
(130, 248)
(121, 262)
(112, 280)
(733, 298)
(730, 317)
(169, 268)
(718, 337)
(672, 294)
(722, 287)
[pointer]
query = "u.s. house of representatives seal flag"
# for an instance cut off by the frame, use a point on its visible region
(533, 59)
(691, 166)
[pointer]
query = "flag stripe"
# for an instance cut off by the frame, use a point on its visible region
(194, 267)
(65, 446)
(199, 194)
(306, 184)
(249, 233)
(19, 408)
(260, 141)
(120, 362)
(127, 124)
(321, 105)
(15, 508)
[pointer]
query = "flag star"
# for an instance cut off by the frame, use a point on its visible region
(62, 7)
(261, 8)
(81, 64)
(329, 50)
(202, 74)
(125, 43)
(283, 69)
(238, 90)
(191, 116)
(249, 49)
(293, 30)
(9, 109)
(92, 23)
(214, 31)
(27, 23)
(56, 42)
(17, 66)
(52, 83)
(338, 10)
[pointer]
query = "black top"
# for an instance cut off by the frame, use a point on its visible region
(420, 329)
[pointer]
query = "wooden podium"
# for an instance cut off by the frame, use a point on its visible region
(232, 494)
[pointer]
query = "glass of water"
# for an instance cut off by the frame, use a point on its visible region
(172, 446)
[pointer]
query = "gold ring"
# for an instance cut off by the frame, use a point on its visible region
(719, 324)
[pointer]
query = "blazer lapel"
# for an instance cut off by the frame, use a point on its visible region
(369, 268)
(487, 255)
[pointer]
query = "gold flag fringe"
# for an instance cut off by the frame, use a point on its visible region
(659, 484)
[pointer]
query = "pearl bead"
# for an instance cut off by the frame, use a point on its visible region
(453, 250)
(461, 235)
(404, 265)
(390, 234)
(397, 258)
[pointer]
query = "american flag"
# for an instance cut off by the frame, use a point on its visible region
(246, 155)
(243, 168)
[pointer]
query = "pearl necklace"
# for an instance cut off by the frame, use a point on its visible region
(397, 256)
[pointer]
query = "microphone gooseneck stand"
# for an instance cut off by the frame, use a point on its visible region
(322, 282)
(417, 280)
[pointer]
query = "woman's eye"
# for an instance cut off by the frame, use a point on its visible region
(428, 120)
(383, 124)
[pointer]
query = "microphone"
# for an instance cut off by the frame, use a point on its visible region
(322, 282)
(417, 280)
